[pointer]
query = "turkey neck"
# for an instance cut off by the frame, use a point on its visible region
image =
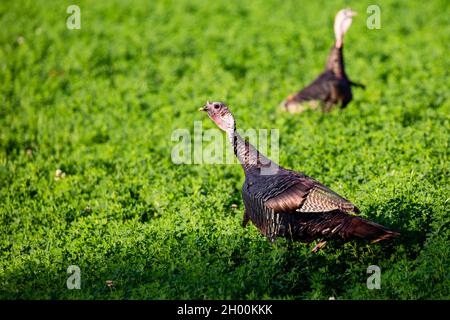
(335, 61)
(250, 158)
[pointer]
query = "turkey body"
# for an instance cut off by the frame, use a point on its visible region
(292, 205)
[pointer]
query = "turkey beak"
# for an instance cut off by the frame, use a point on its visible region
(205, 107)
(354, 13)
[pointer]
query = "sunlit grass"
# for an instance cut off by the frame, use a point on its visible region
(101, 103)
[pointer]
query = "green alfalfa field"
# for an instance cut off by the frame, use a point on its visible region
(101, 103)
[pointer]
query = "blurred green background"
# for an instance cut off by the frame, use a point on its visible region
(101, 103)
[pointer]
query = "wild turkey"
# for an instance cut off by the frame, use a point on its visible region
(332, 86)
(285, 203)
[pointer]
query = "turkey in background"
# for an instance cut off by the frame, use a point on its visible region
(332, 86)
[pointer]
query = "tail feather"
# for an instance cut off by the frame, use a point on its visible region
(357, 84)
(358, 227)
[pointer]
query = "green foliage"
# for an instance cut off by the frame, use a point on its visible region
(101, 103)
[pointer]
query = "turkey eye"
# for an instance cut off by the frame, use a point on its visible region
(216, 106)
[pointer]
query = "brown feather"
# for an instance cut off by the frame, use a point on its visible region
(308, 195)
